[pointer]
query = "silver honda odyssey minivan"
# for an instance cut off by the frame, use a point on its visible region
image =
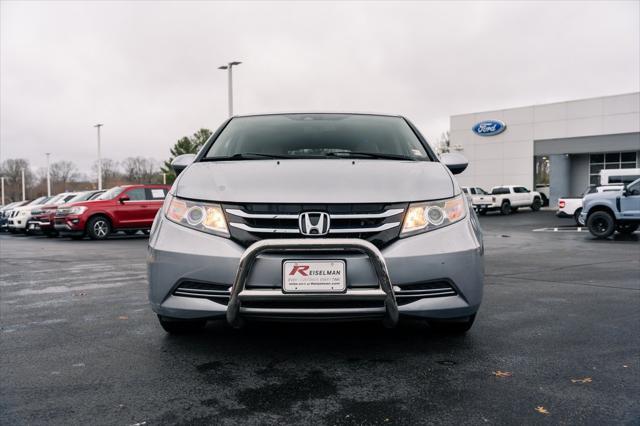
(316, 217)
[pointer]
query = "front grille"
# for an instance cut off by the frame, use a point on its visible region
(313, 304)
(216, 292)
(409, 293)
(377, 223)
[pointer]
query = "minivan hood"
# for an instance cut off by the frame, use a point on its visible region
(315, 181)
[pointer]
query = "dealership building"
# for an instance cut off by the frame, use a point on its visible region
(562, 146)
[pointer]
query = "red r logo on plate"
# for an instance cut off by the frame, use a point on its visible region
(302, 269)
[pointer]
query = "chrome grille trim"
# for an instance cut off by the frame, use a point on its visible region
(380, 228)
(387, 213)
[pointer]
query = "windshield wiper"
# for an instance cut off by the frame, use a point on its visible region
(244, 156)
(368, 155)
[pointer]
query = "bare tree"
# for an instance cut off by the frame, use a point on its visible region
(11, 169)
(140, 169)
(63, 172)
(444, 144)
(110, 172)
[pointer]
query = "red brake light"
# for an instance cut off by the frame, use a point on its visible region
(561, 204)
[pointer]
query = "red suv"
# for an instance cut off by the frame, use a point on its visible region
(127, 208)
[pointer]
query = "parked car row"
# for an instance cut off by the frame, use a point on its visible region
(93, 214)
(505, 199)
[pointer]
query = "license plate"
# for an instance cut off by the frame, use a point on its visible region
(315, 276)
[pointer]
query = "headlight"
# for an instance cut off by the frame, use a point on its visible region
(430, 215)
(76, 210)
(197, 215)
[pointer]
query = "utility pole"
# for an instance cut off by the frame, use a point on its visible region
(48, 175)
(229, 68)
(2, 180)
(24, 192)
(97, 126)
(164, 178)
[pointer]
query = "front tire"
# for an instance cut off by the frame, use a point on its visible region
(453, 326)
(601, 224)
(180, 326)
(627, 228)
(98, 228)
(505, 209)
(536, 204)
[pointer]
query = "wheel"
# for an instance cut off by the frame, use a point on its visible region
(505, 208)
(131, 232)
(627, 228)
(453, 326)
(601, 224)
(98, 228)
(180, 326)
(536, 204)
(576, 216)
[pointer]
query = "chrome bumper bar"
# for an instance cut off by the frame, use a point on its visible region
(238, 292)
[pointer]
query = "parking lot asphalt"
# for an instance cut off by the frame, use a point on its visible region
(557, 340)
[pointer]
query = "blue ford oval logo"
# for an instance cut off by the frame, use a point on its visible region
(489, 128)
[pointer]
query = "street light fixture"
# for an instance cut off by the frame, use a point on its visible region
(97, 126)
(229, 68)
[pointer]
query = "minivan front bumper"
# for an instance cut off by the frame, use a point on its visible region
(406, 278)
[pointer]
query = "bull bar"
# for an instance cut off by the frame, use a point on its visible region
(239, 293)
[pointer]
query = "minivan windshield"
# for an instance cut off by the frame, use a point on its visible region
(111, 193)
(317, 136)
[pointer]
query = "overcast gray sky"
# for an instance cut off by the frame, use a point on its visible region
(148, 69)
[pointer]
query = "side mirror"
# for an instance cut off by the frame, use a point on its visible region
(181, 162)
(123, 199)
(456, 162)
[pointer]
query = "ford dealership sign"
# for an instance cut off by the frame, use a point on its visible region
(489, 128)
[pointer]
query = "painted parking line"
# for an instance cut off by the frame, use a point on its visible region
(562, 229)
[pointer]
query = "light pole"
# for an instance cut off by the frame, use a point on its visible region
(229, 67)
(48, 175)
(97, 126)
(24, 192)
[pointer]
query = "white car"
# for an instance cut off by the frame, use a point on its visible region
(480, 199)
(508, 198)
(17, 221)
(571, 207)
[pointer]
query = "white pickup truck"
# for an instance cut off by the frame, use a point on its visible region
(480, 199)
(571, 207)
(508, 198)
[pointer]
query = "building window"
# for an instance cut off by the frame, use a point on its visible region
(610, 160)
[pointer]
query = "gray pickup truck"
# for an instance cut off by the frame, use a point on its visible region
(607, 212)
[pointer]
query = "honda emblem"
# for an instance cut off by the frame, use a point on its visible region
(314, 223)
